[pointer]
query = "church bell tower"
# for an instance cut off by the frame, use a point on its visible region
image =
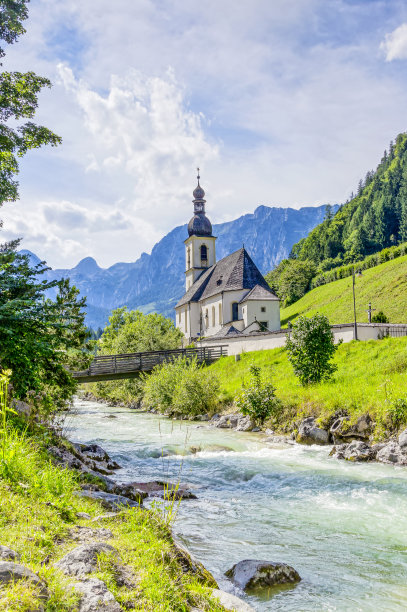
(200, 251)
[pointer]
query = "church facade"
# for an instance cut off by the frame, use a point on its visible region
(228, 297)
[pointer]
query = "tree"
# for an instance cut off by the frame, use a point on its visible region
(291, 279)
(39, 337)
(311, 348)
(133, 332)
(18, 100)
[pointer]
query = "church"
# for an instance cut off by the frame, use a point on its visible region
(224, 298)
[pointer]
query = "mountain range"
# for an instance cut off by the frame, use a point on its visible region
(155, 282)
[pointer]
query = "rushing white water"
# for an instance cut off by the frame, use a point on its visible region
(343, 526)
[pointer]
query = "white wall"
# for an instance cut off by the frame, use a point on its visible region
(260, 342)
(252, 311)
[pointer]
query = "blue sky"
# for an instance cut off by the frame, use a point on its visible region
(280, 103)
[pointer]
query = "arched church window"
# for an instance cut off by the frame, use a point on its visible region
(204, 254)
(189, 257)
(220, 314)
(235, 311)
(213, 316)
(206, 318)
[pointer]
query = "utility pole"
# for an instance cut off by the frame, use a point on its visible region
(355, 325)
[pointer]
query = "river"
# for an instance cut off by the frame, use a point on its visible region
(343, 526)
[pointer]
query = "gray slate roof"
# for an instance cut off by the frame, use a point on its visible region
(259, 293)
(234, 272)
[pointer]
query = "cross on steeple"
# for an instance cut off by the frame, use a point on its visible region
(198, 177)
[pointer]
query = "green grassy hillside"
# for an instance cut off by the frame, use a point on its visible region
(385, 286)
(370, 377)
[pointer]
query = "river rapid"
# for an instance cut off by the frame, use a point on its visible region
(343, 526)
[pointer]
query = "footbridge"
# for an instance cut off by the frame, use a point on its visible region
(130, 365)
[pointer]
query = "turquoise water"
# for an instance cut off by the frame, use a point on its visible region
(342, 526)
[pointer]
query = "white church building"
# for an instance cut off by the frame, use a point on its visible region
(225, 298)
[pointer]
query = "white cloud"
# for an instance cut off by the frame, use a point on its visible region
(395, 44)
(279, 103)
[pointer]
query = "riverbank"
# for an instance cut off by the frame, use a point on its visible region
(64, 550)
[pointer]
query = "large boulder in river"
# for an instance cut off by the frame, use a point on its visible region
(342, 431)
(359, 451)
(252, 574)
(310, 433)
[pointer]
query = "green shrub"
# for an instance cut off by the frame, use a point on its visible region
(380, 317)
(258, 399)
(181, 387)
(311, 348)
(397, 412)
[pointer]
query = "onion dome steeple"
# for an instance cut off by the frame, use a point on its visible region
(199, 225)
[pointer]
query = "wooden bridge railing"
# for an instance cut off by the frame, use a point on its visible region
(129, 365)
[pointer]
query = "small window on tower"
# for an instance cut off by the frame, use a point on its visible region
(204, 254)
(263, 309)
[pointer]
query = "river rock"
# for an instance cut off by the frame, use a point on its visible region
(11, 572)
(342, 431)
(7, 554)
(190, 564)
(251, 574)
(231, 602)
(128, 489)
(392, 453)
(95, 596)
(157, 488)
(111, 501)
(82, 560)
(310, 433)
(403, 440)
(244, 424)
(358, 451)
(83, 515)
(227, 421)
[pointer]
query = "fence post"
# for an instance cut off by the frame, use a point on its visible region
(115, 364)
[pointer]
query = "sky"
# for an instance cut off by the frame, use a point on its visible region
(279, 103)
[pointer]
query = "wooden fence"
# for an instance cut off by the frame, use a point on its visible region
(129, 365)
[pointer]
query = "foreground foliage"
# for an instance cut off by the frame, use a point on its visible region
(181, 387)
(39, 337)
(39, 508)
(18, 100)
(371, 378)
(310, 347)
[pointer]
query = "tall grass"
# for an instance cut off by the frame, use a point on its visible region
(5, 410)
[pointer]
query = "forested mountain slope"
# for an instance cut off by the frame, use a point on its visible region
(374, 219)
